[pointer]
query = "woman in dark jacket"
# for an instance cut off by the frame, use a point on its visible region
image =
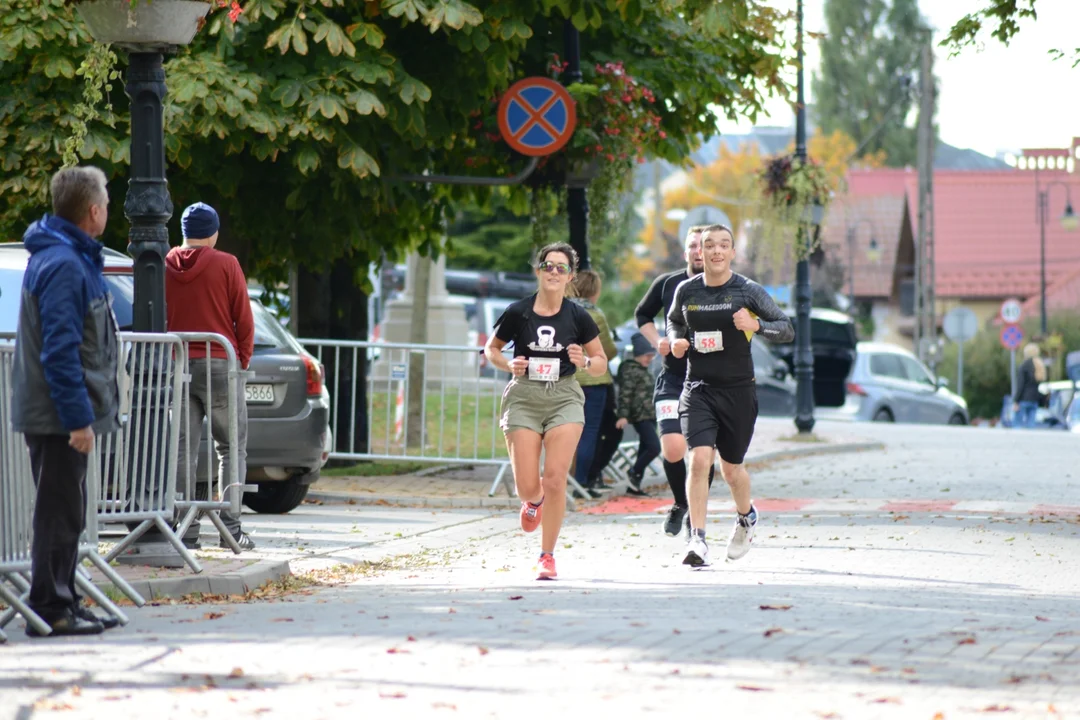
(1032, 372)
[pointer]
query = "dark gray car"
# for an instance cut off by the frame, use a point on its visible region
(288, 405)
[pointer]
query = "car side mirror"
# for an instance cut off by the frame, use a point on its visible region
(942, 382)
(780, 370)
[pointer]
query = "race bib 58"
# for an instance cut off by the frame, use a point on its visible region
(707, 342)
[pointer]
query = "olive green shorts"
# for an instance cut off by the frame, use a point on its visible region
(541, 406)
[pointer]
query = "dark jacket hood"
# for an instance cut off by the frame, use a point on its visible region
(186, 264)
(51, 231)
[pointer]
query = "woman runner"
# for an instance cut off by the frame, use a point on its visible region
(543, 406)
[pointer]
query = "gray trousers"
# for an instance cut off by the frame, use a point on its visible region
(211, 401)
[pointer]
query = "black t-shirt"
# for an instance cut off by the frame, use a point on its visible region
(656, 301)
(535, 335)
(698, 309)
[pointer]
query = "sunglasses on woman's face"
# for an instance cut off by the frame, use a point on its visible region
(548, 266)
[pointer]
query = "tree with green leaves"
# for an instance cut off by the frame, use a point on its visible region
(1002, 18)
(869, 57)
(295, 120)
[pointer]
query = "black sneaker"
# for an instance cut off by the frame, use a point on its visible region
(633, 486)
(673, 523)
(107, 621)
(242, 539)
(68, 624)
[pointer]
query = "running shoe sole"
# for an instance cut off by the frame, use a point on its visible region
(694, 560)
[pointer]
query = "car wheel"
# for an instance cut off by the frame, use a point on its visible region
(883, 415)
(277, 498)
(957, 419)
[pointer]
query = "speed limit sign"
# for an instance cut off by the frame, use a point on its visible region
(1011, 311)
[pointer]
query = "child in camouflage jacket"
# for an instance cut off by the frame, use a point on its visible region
(636, 408)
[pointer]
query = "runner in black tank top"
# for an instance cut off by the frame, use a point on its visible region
(711, 322)
(669, 383)
(543, 406)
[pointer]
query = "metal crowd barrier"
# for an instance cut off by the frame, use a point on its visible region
(17, 495)
(137, 463)
(203, 496)
(454, 418)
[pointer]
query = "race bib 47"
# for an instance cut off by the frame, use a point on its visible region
(544, 369)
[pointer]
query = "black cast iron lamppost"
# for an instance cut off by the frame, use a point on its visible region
(147, 30)
(577, 201)
(1069, 221)
(804, 359)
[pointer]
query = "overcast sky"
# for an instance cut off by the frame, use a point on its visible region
(997, 99)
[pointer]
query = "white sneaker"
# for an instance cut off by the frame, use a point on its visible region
(742, 535)
(697, 553)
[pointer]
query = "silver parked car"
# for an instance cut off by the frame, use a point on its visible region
(288, 405)
(889, 384)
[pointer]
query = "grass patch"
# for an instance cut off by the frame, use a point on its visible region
(457, 424)
(378, 468)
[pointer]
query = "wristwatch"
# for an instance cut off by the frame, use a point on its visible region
(588, 363)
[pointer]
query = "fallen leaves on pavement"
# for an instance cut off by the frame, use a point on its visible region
(774, 607)
(753, 688)
(997, 708)
(236, 673)
(887, 701)
(773, 631)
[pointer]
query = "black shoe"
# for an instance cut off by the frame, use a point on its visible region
(192, 543)
(674, 522)
(68, 624)
(634, 484)
(107, 621)
(590, 493)
(242, 539)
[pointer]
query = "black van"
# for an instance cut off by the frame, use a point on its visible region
(833, 340)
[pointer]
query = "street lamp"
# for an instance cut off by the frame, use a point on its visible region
(851, 232)
(804, 359)
(1069, 222)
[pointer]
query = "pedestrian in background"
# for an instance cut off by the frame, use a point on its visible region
(597, 388)
(636, 408)
(65, 390)
(1026, 403)
(206, 292)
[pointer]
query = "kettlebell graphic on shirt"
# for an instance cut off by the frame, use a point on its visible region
(545, 340)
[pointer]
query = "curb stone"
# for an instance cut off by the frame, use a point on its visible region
(207, 583)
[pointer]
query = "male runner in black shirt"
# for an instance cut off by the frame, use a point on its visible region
(669, 383)
(711, 322)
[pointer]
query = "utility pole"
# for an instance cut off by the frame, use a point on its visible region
(925, 312)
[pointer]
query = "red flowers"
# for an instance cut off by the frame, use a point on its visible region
(234, 8)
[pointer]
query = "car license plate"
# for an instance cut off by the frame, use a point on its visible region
(259, 393)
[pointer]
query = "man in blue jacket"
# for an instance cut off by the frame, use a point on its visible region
(65, 388)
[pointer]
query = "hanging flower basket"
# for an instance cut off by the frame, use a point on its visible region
(144, 24)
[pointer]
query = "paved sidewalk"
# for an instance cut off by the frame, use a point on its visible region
(465, 486)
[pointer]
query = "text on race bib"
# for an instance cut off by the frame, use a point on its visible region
(667, 410)
(544, 369)
(707, 342)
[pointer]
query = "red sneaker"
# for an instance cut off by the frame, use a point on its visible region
(530, 516)
(547, 568)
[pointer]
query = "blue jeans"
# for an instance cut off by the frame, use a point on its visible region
(595, 397)
(648, 445)
(1024, 417)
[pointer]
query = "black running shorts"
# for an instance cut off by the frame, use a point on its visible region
(667, 390)
(723, 418)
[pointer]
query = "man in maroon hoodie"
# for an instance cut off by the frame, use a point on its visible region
(206, 291)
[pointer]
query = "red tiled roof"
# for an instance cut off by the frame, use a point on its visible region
(986, 229)
(1062, 295)
(876, 217)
